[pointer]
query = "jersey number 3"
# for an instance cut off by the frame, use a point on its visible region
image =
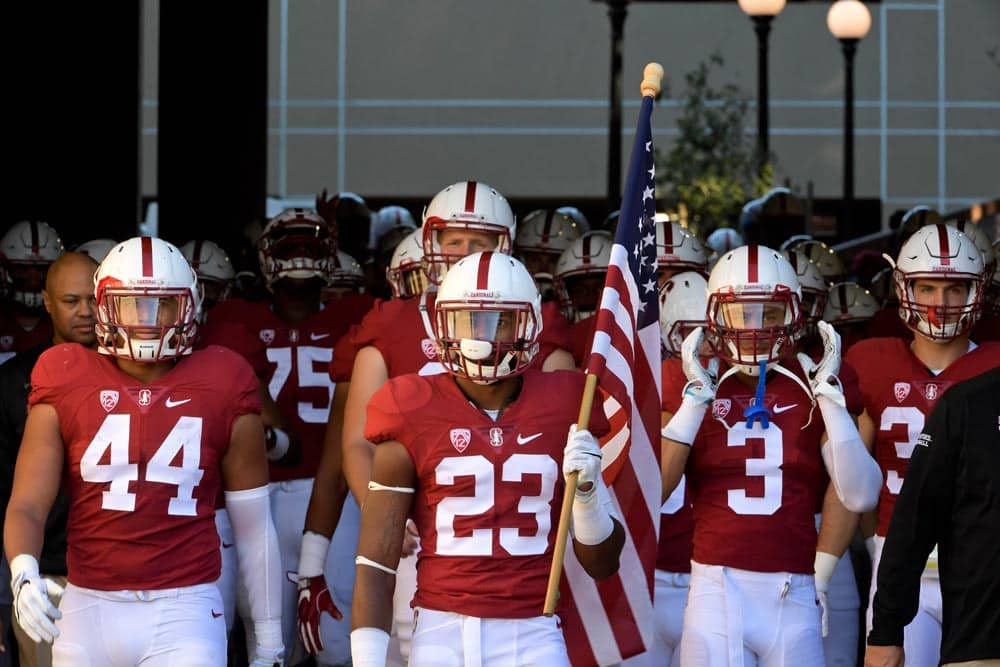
(184, 437)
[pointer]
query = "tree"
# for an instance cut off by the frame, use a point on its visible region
(711, 169)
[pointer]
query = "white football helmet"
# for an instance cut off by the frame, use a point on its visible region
(297, 243)
(30, 248)
(677, 249)
(405, 272)
(992, 297)
(148, 301)
(580, 274)
(823, 256)
(209, 261)
(385, 219)
(814, 289)
(97, 249)
(542, 236)
(683, 302)
(939, 252)
(347, 272)
(754, 307)
(487, 318)
(468, 205)
(849, 303)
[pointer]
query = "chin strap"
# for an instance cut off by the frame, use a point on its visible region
(756, 410)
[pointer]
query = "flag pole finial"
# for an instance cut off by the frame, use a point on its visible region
(652, 75)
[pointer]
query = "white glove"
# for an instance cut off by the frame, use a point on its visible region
(824, 565)
(822, 377)
(264, 662)
(824, 611)
(33, 595)
(702, 382)
(583, 456)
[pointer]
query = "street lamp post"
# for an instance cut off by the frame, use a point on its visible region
(762, 12)
(848, 21)
(617, 11)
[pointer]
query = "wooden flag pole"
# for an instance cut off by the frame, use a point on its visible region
(652, 76)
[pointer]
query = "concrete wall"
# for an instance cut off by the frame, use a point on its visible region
(391, 98)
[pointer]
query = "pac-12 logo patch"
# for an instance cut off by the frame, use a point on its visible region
(267, 336)
(430, 350)
(109, 399)
(460, 439)
(901, 391)
(721, 407)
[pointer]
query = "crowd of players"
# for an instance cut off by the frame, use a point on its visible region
(794, 390)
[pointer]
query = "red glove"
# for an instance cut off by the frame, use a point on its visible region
(314, 599)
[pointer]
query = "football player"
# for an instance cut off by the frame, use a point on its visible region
(755, 468)
(295, 252)
(677, 249)
(475, 456)
(579, 281)
(395, 338)
(542, 236)
(147, 432)
(30, 248)
(939, 282)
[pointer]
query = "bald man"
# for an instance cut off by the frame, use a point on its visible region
(69, 300)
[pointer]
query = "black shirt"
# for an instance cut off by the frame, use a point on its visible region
(951, 496)
(15, 384)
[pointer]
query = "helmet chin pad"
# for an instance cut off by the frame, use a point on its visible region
(476, 350)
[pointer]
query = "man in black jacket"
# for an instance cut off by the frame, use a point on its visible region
(69, 300)
(951, 497)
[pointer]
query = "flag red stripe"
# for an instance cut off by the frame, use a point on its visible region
(616, 606)
(470, 196)
(942, 231)
(483, 272)
(147, 257)
(752, 262)
(580, 651)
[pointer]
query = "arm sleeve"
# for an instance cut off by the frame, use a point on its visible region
(923, 501)
(260, 565)
(245, 399)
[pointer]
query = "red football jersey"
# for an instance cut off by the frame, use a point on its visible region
(899, 393)
(676, 514)
(297, 379)
(14, 339)
(488, 493)
(405, 337)
(143, 463)
(217, 331)
(581, 335)
(887, 323)
(755, 490)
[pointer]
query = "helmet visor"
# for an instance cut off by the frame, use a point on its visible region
(311, 242)
(754, 315)
(152, 311)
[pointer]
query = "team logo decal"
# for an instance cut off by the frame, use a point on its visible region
(931, 392)
(496, 436)
(293, 336)
(901, 390)
(6, 342)
(145, 397)
(430, 350)
(460, 438)
(109, 399)
(721, 407)
(267, 336)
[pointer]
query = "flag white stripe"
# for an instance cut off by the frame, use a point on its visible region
(595, 621)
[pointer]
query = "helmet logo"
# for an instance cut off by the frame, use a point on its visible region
(721, 407)
(145, 397)
(430, 350)
(267, 336)
(496, 436)
(109, 399)
(460, 439)
(901, 390)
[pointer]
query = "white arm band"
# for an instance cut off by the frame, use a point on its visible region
(684, 425)
(312, 554)
(260, 562)
(824, 565)
(592, 522)
(369, 647)
(856, 476)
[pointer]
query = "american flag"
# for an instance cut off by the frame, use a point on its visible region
(607, 621)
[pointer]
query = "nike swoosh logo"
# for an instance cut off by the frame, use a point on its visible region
(226, 546)
(216, 614)
(313, 336)
(784, 408)
(523, 441)
(174, 404)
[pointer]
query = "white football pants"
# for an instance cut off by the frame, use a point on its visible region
(161, 628)
(445, 639)
(670, 595)
(737, 618)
